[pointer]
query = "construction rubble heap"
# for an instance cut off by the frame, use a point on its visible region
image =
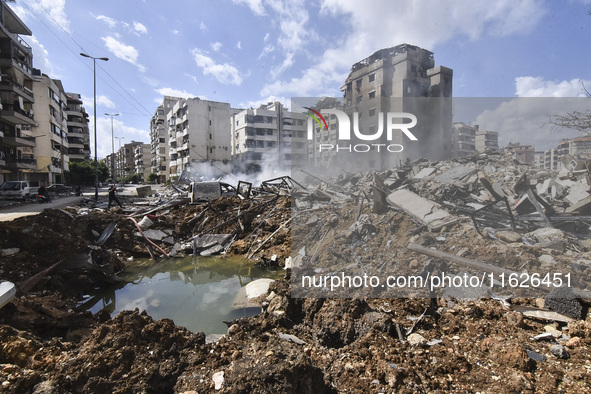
(482, 214)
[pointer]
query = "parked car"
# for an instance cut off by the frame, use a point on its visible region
(58, 188)
(17, 189)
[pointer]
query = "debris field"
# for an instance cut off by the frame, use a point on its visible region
(467, 215)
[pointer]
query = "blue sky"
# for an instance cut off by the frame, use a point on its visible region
(248, 52)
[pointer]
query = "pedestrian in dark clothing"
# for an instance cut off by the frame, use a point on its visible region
(113, 197)
(78, 191)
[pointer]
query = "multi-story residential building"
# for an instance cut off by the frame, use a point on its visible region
(198, 132)
(463, 139)
(51, 131)
(16, 96)
(539, 159)
(521, 153)
(125, 159)
(551, 159)
(487, 140)
(576, 148)
(400, 79)
(327, 135)
(159, 144)
(268, 135)
(78, 131)
(141, 155)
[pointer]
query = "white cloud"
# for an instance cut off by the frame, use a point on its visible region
(538, 87)
(239, 45)
(422, 23)
(176, 32)
(216, 46)
(192, 77)
(223, 73)
(41, 57)
(120, 130)
(174, 93)
(266, 38)
(256, 6)
(101, 100)
(109, 21)
(527, 120)
(51, 10)
(266, 50)
(123, 51)
(269, 99)
(140, 28)
(104, 101)
(202, 26)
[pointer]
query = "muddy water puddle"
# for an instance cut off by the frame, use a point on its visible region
(199, 293)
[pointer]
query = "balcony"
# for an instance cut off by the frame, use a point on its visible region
(18, 139)
(22, 163)
(7, 83)
(15, 115)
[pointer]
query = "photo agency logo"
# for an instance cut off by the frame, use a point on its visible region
(395, 121)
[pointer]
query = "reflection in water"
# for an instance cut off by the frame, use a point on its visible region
(196, 292)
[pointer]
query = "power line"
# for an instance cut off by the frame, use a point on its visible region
(149, 113)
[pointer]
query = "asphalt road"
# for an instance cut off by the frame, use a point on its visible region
(12, 212)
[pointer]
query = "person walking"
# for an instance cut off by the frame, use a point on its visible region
(113, 197)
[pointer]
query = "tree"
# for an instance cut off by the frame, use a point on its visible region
(580, 121)
(152, 178)
(83, 173)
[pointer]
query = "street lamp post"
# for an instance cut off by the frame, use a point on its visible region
(95, 152)
(112, 147)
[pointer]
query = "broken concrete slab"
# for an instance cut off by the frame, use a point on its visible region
(154, 235)
(582, 207)
(455, 174)
(577, 193)
(209, 244)
(550, 238)
(143, 191)
(425, 211)
(425, 172)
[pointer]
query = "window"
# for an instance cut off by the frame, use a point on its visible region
(210, 122)
(372, 112)
(161, 140)
(372, 95)
(358, 99)
(210, 136)
(372, 77)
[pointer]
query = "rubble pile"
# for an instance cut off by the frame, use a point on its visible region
(483, 209)
(466, 215)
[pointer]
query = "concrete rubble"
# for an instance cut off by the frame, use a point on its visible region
(480, 214)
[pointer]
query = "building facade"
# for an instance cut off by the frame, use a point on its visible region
(198, 132)
(159, 140)
(142, 160)
(463, 139)
(487, 140)
(51, 131)
(522, 153)
(403, 78)
(268, 135)
(16, 98)
(78, 131)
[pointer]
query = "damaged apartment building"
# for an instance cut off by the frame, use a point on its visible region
(400, 79)
(269, 134)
